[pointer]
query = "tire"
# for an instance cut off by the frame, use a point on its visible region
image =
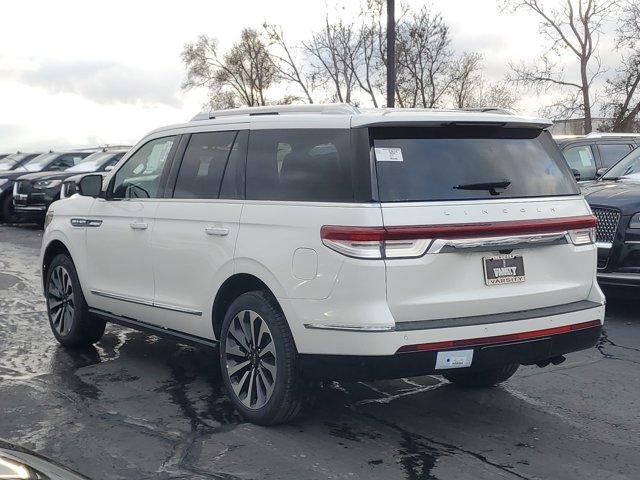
(69, 317)
(261, 376)
(482, 379)
(6, 209)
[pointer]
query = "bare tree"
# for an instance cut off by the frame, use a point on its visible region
(466, 78)
(331, 50)
(240, 77)
(424, 57)
(623, 89)
(573, 26)
(289, 67)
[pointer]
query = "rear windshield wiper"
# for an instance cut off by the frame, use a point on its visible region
(491, 186)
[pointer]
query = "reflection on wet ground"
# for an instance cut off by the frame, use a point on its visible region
(136, 406)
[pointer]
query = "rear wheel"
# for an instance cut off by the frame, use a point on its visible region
(6, 208)
(69, 317)
(258, 360)
(484, 378)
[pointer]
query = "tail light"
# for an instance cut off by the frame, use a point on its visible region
(414, 241)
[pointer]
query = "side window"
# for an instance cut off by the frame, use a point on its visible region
(233, 180)
(67, 160)
(611, 153)
(581, 158)
(140, 176)
(299, 165)
(203, 165)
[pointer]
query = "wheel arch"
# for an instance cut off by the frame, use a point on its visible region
(55, 247)
(232, 288)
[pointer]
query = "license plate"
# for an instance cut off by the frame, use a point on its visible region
(454, 359)
(503, 269)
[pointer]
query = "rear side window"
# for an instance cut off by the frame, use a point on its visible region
(467, 163)
(581, 158)
(611, 153)
(203, 165)
(299, 165)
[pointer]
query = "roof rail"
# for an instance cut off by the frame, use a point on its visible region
(612, 134)
(327, 109)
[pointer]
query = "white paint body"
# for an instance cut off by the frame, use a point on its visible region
(173, 267)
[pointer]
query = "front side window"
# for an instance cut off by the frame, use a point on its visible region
(611, 153)
(203, 165)
(468, 163)
(581, 158)
(311, 165)
(140, 176)
(628, 167)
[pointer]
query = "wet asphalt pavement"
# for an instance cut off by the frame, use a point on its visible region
(138, 407)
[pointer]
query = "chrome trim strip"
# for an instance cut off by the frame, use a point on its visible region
(632, 242)
(147, 303)
(605, 245)
(351, 328)
(488, 319)
(498, 243)
(620, 276)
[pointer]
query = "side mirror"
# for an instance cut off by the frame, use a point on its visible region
(576, 174)
(90, 186)
(108, 168)
(601, 171)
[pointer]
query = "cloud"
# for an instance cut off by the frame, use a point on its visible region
(107, 82)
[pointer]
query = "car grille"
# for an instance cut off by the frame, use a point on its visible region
(23, 187)
(607, 224)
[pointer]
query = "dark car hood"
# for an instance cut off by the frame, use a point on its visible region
(622, 194)
(51, 175)
(19, 461)
(12, 174)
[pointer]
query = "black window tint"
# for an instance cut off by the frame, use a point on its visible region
(203, 165)
(581, 158)
(233, 179)
(466, 163)
(140, 176)
(305, 165)
(610, 154)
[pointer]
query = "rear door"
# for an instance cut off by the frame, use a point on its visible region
(196, 228)
(455, 176)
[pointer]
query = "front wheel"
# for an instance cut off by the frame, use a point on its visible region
(69, 317)
(258, 360)
(484, 378)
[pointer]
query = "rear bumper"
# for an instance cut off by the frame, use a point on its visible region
(485, 356)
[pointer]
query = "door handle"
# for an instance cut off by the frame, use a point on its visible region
(219, 231)
(139, 225)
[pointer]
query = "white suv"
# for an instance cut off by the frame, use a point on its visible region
(329, 242)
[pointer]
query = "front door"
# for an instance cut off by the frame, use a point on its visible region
(119, 234)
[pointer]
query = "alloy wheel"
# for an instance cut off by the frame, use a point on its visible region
(250, 356)
(60, 300)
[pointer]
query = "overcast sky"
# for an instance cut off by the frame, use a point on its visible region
(76, 73)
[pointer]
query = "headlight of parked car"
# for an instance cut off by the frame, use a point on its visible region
(42, 184)
(635, 221)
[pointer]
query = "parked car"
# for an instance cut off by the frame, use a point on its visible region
(333, 243)
(46, 161)
(34, 192)
(591, 155)
(615, 201)
(15, 160)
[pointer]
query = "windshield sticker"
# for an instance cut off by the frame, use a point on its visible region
(388, 154)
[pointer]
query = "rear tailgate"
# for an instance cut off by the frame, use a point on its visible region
(487, 177)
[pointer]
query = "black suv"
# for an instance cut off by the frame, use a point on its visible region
(34, 192)
(47, 161)
(591, 155)
(615, 201)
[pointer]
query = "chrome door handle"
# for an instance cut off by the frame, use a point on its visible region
(219, 231)
(138, 225)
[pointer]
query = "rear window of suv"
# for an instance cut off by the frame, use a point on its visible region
(468, 163)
